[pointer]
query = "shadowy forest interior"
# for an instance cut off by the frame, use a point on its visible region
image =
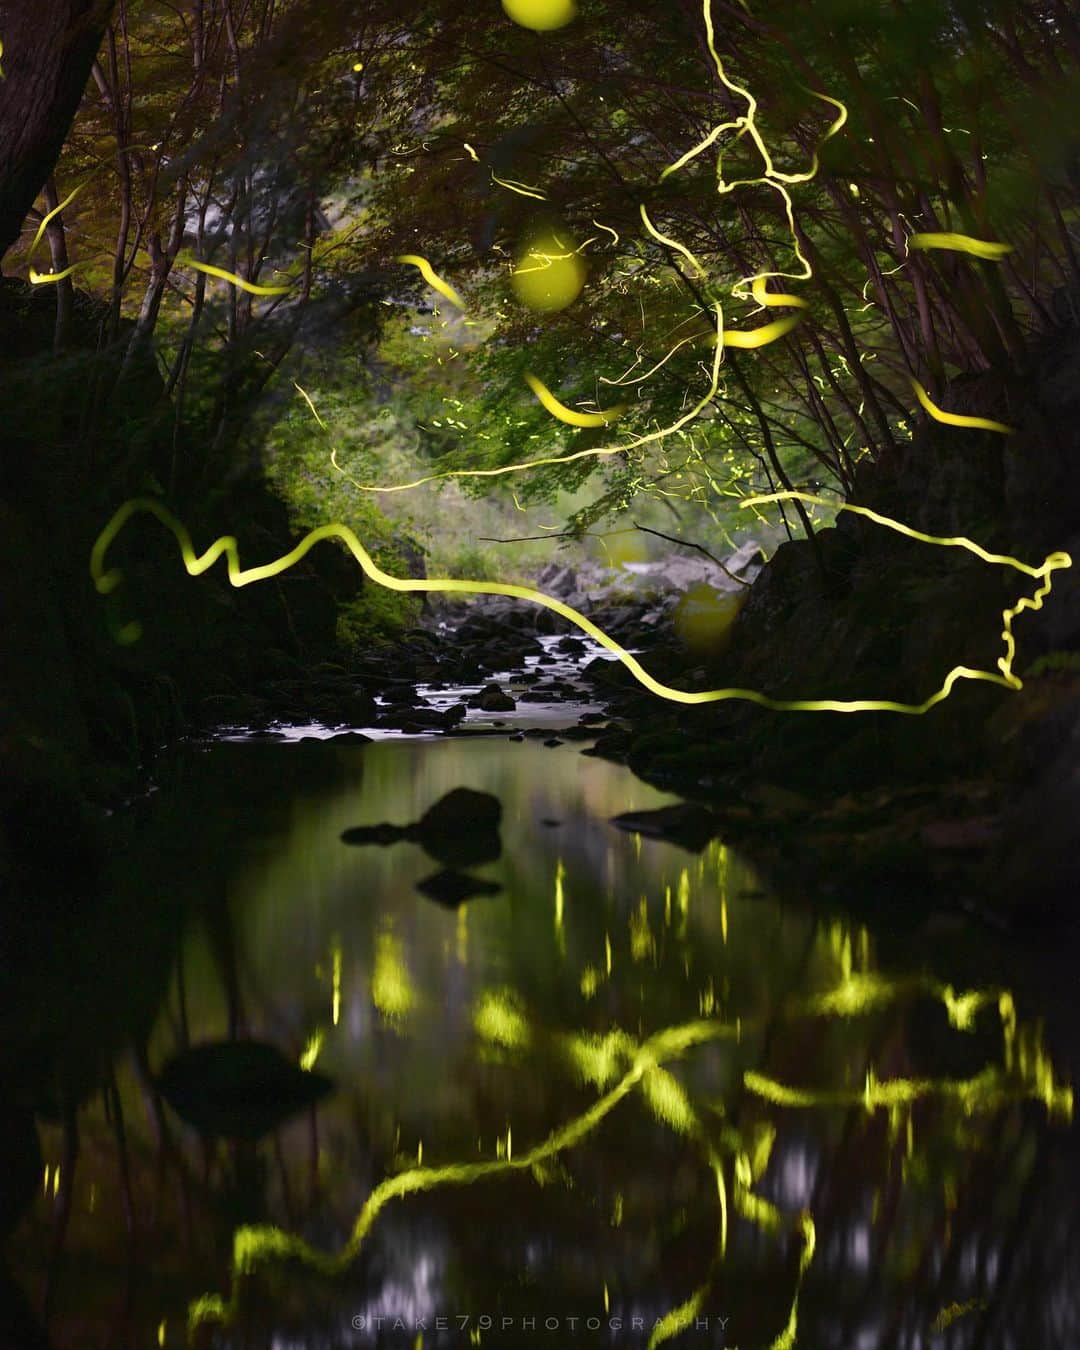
(539, 674)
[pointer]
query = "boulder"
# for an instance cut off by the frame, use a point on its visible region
(492, 699)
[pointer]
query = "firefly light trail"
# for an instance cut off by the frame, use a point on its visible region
(571, 415)
(960, 243)
(431, 277)
(255, 1247)
(106, 579)
(628, 1065)
(956, 419)
(238, 576)
(251, 287)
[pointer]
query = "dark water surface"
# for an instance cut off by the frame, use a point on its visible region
(630, 1098)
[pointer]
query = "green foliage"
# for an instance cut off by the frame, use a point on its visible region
(1054, 663)
(376, 617)
(271, 154)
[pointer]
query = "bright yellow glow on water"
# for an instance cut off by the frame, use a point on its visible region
(498, 1019)
(335, 984)
(617, 1065)
(391, 986)
(310, 1053)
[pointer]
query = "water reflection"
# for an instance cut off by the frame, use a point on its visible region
(625, 1100)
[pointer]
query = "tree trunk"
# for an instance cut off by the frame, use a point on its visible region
(49, 47)
(65, 292)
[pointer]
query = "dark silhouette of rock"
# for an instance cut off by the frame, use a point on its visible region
(461, 809)
(238, 1089)
(460, 830)
(492, 699)
(451, 888)
(413, 720)
(688, 825)
(382, 835)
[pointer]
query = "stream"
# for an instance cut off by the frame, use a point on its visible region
(629, 1097)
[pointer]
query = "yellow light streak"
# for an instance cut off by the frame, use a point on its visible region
(39, 278)
(307, 399)
(959, 243)
(671, 243)
(310, 1053)
(571, 415)
(760, 337)
(522, 189)
(431, 277)
(957, 419)
(948, 1315)
(640, 379)
(335, 990)
(254, 1247)
(617, 1059)
(987, 1091)
(701, 146)
(775, 299)
(597, 451)
(43, 223)
(107, 579)
(1008, 678)
(231, 277)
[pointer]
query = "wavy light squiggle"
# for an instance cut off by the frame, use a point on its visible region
(431, 277)
(599, 451)
(627, 1065)
(106, 579)
(231, 277)
(571, 415)
(959, 243)
(957, 419)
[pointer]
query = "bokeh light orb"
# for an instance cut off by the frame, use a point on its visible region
(619, 547)
(704, 617)
(542, 16)
(547, 274)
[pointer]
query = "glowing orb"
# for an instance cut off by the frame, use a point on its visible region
(548, 275)
(703, 617)
(542, 16)
(623, 546)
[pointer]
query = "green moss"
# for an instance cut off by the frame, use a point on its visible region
(377, 616)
